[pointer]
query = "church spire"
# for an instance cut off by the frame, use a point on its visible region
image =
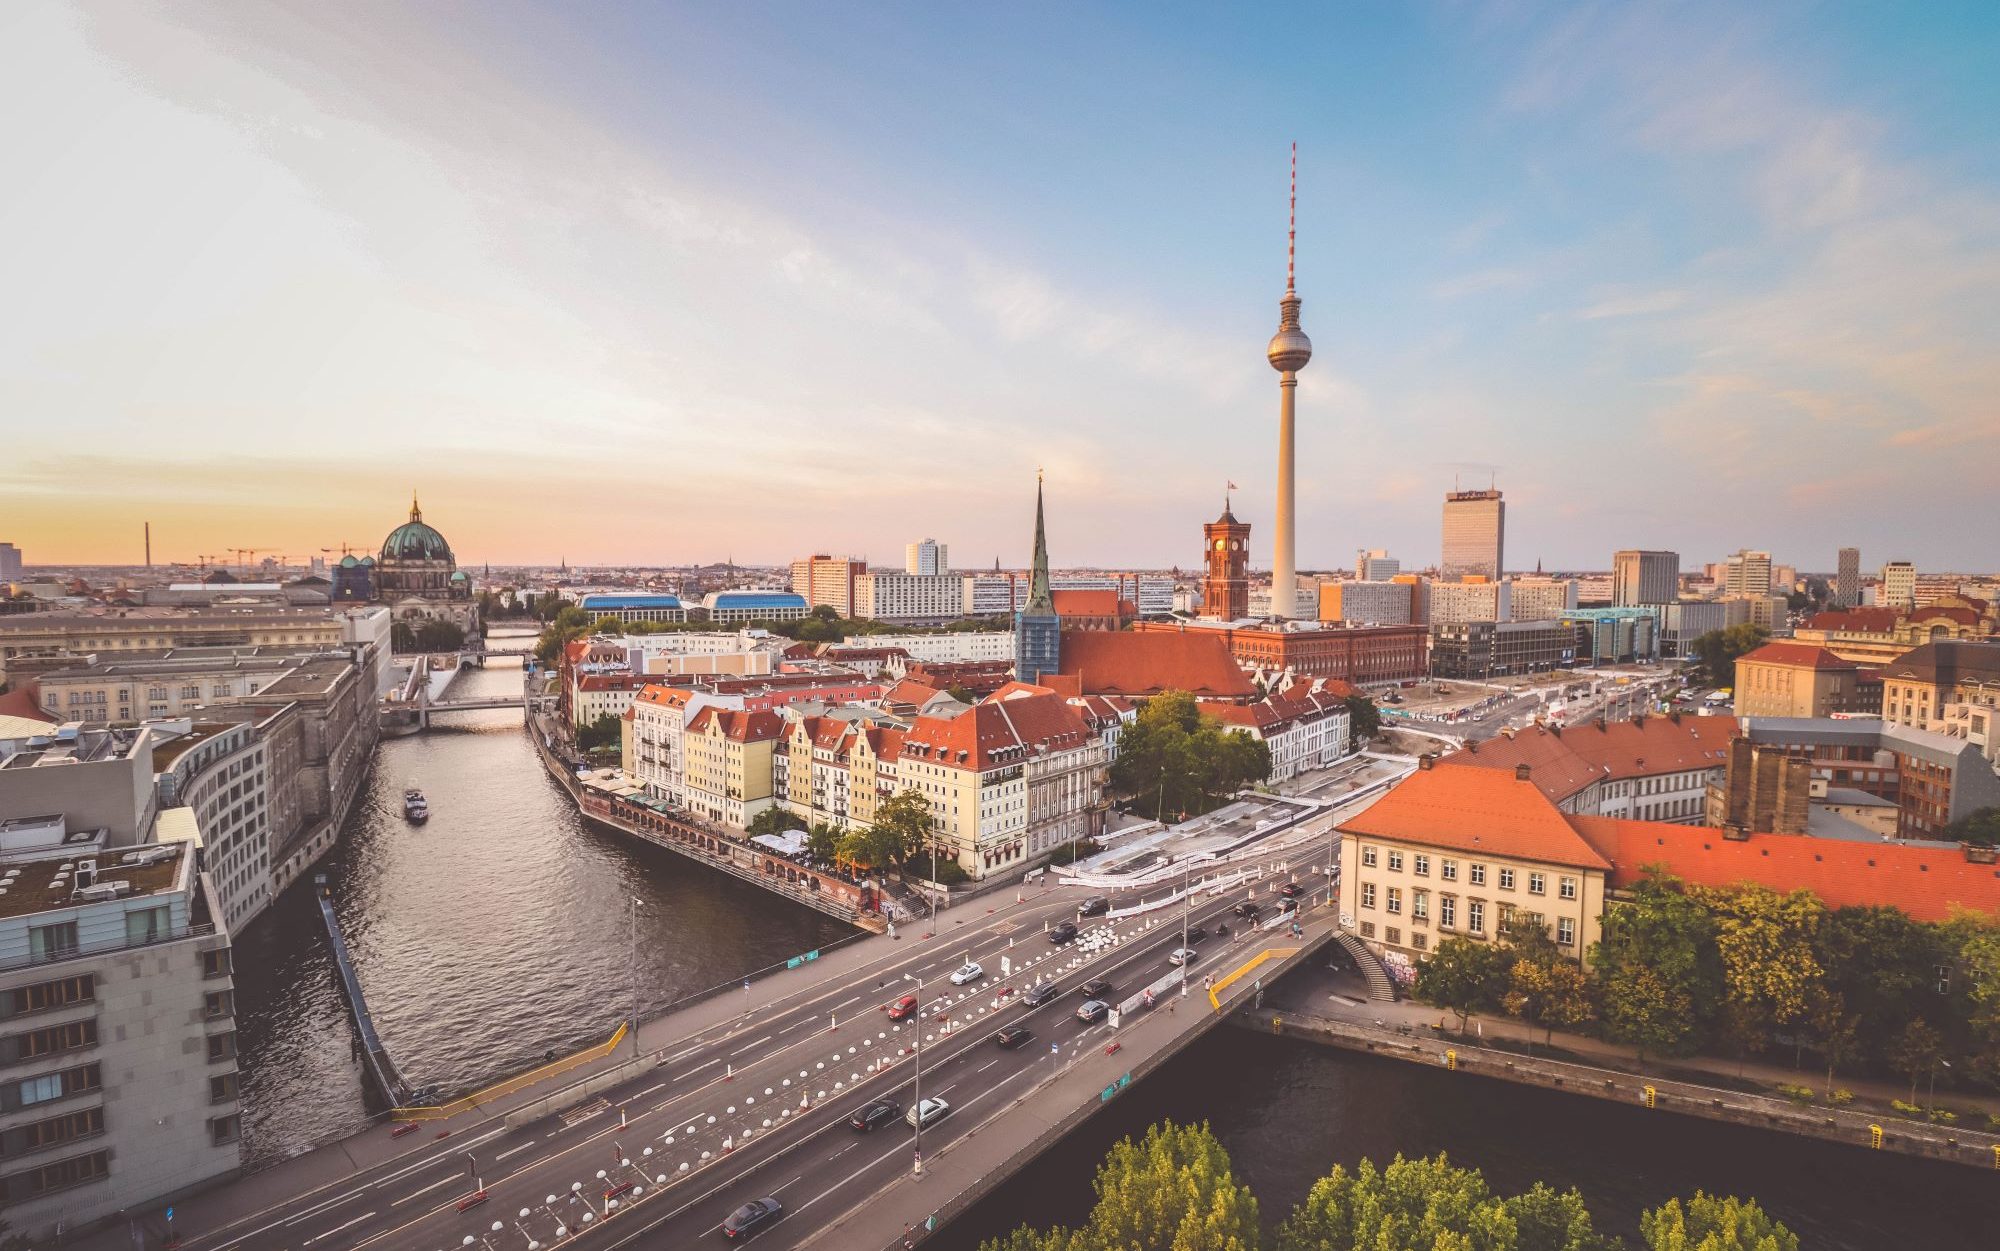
(416, 513)
(1039, 599)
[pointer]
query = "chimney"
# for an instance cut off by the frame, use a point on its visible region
(1472, 747)
(1603, 723)
(1424, 761)
(1521, 772)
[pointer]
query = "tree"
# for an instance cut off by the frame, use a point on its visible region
(1718, 650)
(905, 818)
(1412, 1205)
(1174, 1191)
(961, 694)
(1364, 720)
(1659, 979)
(606, 731)
(1713, 1223)
(1172, 760)
(1836, 1031)
(1463, 976)
(775, 820)
(871, 847)
(1881, 963)
(823, 842)
(1974, 939)
(1769, 973)
(1547, 1219)
(1917, 1051)
(1550, 993)
(1980, 827)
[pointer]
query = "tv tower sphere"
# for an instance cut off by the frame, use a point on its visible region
(1290, 349)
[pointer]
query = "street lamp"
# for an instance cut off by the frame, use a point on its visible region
(1930, 1099)
(917, 1165)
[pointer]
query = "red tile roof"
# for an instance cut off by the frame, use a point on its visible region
(1926, 882)
(1128, 663)
(1855, 620)
(1085, 603)
(912, 692)
(998, 733)
(23, 703)
(1475, 810)
(744, 727)
(1562, 762)
(1797, 656)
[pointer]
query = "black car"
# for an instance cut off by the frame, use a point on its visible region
(1095, 988)
(1013, 1036)
(1291, 890)
(1064, 933)
(752, 1217)
(1096, 905)
(1036, 996)
(1248, 911)
(1289, 905)
(875, 1115)
(1196, 934)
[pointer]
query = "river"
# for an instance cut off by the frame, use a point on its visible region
(496, 931)
(1290, 1110)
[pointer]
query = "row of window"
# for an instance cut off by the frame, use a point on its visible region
(1447, 911)
(53, 1131)
(47, 1041)
(1420, 866)
(48, 996)
(55, 1175)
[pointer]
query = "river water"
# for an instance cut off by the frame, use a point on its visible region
(1290, 1110)
(496, 931)
(500, 929)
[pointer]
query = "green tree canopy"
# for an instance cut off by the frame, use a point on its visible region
(775, 820)
(1364, 720)
(1717, 651)
(1714, 1223)
(905, 819)
(1174, 1191)
(606, 731)
(1981, 828)
(1464, 976)
(1659, 979)
(1765, 940)
(1172, 761)
(1412, 1205)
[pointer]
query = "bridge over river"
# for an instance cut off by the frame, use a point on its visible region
(745, 1092)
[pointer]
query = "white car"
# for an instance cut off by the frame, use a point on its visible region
(930, 1112)
(1181, 955)
(967, 972)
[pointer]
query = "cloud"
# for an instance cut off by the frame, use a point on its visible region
(1635, 305)
(1479, 282)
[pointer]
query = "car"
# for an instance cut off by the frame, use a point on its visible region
(967, 973)
(1014, 1036)
(1095, 906)
(1288, 905)
(1036, 996)
(1182, 955)
(875, 1115)
(1196, 934)
(929, 1112)
(1095, 988)
(902, 1007)
(1247, 910)
(1093, 1011)
(1064, 933)
(1291, 890)
(752, 1217)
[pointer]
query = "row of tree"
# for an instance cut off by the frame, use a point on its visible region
(1176, 1191)
(1175, 763)
(1743, 970)
(901, 836)
(426, 636)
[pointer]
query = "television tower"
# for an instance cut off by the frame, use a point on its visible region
(1288, 353)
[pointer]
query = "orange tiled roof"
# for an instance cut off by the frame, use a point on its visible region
(910, 691)
(1129, 663)
(1856, 620)
(1085, 603)
(1562, 762)
(1926, 882)
(744, 727)
(997, 733)
(1795, 655)
(23, 703)
(1476, 810)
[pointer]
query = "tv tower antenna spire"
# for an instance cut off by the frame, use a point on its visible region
(1292, 222)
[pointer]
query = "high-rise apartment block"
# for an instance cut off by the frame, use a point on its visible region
(1368, 603)
(1225, 588)
(10, 563)
(1747, 573)
(928, 558)
(1847, 582)
(1541, 599)
(1640, 577)
(1899, 585)
(828, 581)
(1475, 535)
(912, 598)
(1476, 599)
(1375, 565)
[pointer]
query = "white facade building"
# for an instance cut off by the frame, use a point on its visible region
(1540, 599)
(928, 558)
(910, 597)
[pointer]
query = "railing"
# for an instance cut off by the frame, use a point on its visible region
(100, 949)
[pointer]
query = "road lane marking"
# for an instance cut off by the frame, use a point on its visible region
(750, 1046)
(647, 1091)
(442, 1181)
(337, 1228)
(698, 1068)
(989, 1064)
(795, 1024)
(517, 1150)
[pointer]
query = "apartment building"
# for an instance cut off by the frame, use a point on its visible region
(1646, 769)
(1368, 602)
(1541, 599)
(1474, 599)
(1899, 585)
(1797, 680)
(727, 756)
(1643, 577)
(830, 581)
(927, 558)
(1747, 573)
(910, 598)
(1305, 726)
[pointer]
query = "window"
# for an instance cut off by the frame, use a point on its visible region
(1475, 916)
(1420, 865)
(1538, 884)
(49, 1040)
(1395, 901)
(1566, 887)
(221, 1047)
(59, 1175)
(1448, 870)
(1447, 911)
(1393, 934)
(1395, 862)
(218, 1003)
(1566, 931)
(51, 942)
(1477, 875)
(1367, 929)
(1420, 941)
(43, 996)
(224, 1129)
(1420, 905)
(146, 925)
(1368, 894)
(49, 1087)
(1506, 879)
(68, 1127)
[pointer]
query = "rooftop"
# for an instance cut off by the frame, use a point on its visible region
(1565, 760)
(1476, 810)
(1147, 663)
(33, 886)
(1795, 655)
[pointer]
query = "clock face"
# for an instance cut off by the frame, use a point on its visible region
(1220, 544)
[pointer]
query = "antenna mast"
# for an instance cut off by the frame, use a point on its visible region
(1292, 221)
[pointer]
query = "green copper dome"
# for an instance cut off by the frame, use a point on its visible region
(415, 541)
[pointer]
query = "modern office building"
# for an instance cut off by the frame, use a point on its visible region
(1475, 535)
(828, 581)
(909, 598)
(927, 558)
(1368, 603)
(1684, 622)
(1614, 636)
(1540, 599)
(1477, 650)
(634, 606)
(1847, 582)
(1375, 565)
(1642, 577)
(10, 563)
(1477, 599)
(1747, 573)
(1899, 585)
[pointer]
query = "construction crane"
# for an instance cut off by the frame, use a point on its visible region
(243, 555)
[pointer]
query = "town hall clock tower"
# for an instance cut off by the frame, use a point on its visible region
(1225, 589)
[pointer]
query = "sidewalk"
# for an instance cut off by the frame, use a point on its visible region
(1313, 993)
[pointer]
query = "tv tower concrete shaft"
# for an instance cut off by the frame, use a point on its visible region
(1288, 353)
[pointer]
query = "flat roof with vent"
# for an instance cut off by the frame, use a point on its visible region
(50, 884)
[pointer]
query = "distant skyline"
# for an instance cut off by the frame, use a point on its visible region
(639, 284)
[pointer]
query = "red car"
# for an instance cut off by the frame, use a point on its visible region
(902, 1007)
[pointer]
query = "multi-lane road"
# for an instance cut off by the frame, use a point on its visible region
(757, 1105)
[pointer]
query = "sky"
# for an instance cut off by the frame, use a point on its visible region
(654, 284)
